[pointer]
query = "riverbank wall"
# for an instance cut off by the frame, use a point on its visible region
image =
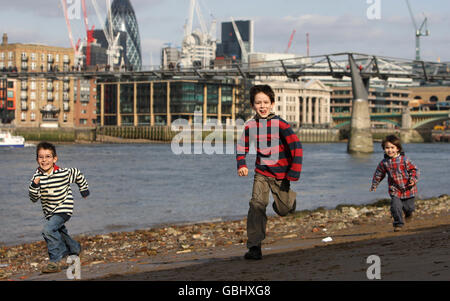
(165, 134)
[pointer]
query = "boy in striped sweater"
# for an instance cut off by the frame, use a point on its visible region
(278, 161)
(51, 184)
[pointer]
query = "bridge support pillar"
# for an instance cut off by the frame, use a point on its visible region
(360, 139)
(406, 133)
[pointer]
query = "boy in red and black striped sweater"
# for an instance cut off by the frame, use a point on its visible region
(278, 161)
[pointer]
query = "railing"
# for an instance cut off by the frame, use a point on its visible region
(335, 65)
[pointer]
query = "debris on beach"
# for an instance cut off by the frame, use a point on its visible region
(25, 259)
(327, 239)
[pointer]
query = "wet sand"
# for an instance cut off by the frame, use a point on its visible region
(416, 254)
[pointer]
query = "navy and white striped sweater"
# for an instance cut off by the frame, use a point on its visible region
(54, 190)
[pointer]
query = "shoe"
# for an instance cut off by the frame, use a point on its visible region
(293, 207)
(51, 267)
(397, 229)
(254, 253)
(409, 217)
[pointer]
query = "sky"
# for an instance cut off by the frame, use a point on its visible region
(377, 27)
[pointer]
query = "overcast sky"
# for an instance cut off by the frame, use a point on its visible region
(334, 26)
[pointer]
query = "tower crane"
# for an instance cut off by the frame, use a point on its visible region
(76, 47)
(113, 52)
(420, 31)
(199, 46)
(89, 33)
(244, 54)
(290, 41)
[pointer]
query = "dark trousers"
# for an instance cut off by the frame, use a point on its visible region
(400, 206)
(283, 197)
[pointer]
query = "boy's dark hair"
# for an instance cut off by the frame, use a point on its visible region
(266, 89)
(45, 145)
(394, 140)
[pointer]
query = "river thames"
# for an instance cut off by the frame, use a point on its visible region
(143, 185)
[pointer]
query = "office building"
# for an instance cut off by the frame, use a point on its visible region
(124, 20)
(229, 46)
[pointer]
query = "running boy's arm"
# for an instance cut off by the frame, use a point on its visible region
(413, 172)
(242, 148)
(75, 176)
(34, 189)
(378, 176)
(296, 150)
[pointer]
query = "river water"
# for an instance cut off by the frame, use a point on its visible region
(142, 185)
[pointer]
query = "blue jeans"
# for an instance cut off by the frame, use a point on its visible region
(59, 243)
(400, 206)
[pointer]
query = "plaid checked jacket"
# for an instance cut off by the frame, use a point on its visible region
(400, 171)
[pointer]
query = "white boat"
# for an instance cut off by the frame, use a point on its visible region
(6, 139)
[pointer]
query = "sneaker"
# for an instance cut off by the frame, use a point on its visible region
(254, 253)
(397, 229)
(409, 217)
(293, 207)
(51, 267)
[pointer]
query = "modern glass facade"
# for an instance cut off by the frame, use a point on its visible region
(124, 20)
(160, 103)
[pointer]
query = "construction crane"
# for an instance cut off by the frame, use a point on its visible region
(290, 41)
(199, 46)
(113, 52)
(420, 31)
(89, 33)
(244, 54)
(77, 48)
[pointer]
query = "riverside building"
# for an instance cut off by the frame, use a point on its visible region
(39, 102)
(302, 104)
(160, 102)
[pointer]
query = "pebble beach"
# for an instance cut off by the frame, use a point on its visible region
(118, 254)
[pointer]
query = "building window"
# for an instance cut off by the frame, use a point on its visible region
(65, 117)
(2, 55)
(10, 55)
(23, 116)
(33, 116)
(83, 121)
(33, 105)
(33, 56)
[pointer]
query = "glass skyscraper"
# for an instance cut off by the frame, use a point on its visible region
(124, 20)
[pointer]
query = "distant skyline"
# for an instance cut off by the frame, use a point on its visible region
(333, 26)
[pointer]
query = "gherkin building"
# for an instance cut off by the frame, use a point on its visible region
(124, 20)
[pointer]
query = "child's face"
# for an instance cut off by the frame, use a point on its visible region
(262, 105)
(391, 150)
(46, 160)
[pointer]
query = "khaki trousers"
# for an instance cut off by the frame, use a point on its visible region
(283, 197)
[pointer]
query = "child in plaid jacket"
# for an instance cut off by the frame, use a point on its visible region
(402, 180)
